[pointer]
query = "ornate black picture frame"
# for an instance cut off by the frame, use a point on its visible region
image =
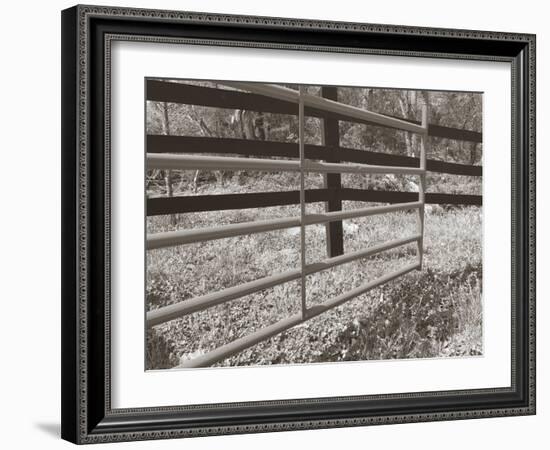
(87, 35)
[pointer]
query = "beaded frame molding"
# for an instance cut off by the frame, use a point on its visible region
(87, 34)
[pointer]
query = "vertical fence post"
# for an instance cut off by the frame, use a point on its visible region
(168, 173)
(422, 184)
(332, 181)
(301, 137)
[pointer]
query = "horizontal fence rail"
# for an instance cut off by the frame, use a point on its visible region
(247, 147)
(350, 113)
(189, 236)
(219, 202)
(191, 162)
(222, 202)
(322, 167)
(359, 254)
(172, 238)
(314, 219)
(186, 307)
(165, 91)
(435, 198)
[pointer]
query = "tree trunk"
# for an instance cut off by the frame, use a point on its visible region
(406, 110)
(247, 118)
(473, 153)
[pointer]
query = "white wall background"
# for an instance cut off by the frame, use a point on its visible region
(30, 223)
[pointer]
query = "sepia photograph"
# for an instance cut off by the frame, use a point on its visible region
(300, 224)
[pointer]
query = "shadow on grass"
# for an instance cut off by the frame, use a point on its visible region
(429, 314)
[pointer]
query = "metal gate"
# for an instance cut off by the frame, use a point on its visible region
(168, 161)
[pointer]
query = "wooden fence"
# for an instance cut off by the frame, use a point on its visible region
(172, 153)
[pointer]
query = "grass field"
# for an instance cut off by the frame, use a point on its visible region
(436, 312)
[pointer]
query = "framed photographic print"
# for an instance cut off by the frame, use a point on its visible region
(268, 222)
